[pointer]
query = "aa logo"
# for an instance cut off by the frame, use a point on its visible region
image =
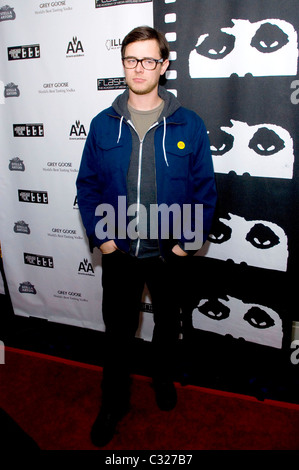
(75, 47)
(77, 131)
(85, 267)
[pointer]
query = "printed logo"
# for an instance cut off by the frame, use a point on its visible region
(70, 295)
(113, 44)
(60, 167)
(28, 130)
(113, 3)
(56, 87)
(11, 90)
(146, 307)
(16, 164)
(75, 204)
(75, 48)
(64, 233)
(77, 131)
(53, 7)
(111, 83)
(35, 197)
(85, 268)
(21, 227)
(27, 288)
(38, 260)
(7, 13)
(24, 52)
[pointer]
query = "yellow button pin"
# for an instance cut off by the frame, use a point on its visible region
(181, 145)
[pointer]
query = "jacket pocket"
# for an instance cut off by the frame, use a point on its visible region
(178, 157)
(111, 156)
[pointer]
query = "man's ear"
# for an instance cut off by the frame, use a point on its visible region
(164, 66)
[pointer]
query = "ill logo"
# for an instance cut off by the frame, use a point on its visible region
(75, 48)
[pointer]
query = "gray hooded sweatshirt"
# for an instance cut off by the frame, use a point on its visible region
(141, 177)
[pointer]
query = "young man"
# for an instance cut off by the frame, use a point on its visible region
(144, 152)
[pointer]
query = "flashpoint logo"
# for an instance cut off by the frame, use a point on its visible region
(24, 52)
(111, 83)
(16, 164)
(11, 90)
(77, 131)
(75, 48)
(38, 260)
(28, 130)
(112, 3)
(85, 268)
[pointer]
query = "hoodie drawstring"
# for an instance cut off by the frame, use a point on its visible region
(163, 142)
(120, 127)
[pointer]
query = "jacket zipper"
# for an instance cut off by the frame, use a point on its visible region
(139, 178)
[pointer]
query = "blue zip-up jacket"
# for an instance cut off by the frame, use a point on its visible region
(183, 171)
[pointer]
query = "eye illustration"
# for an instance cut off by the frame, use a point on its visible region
(259, 243)
(227, 315)
(220, 234)
(216, 45)
(214, 310)
(262, 237)
(263, 48)
(262, 149)
(269, 38)
(221, 142)
(258, 318)
(266, 142)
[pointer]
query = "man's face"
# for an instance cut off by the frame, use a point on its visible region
(139, 80)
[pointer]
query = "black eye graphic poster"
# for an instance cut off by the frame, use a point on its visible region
(236, 64)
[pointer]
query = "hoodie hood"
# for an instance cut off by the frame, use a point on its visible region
(171, 104)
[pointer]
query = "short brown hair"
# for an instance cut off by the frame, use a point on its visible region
(144, 33)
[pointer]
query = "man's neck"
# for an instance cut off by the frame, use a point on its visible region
(145, 102)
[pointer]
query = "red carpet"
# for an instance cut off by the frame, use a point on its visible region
(55, 403)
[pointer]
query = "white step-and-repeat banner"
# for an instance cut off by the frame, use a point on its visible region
(60, 66)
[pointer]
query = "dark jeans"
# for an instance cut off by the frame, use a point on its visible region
(123, 279)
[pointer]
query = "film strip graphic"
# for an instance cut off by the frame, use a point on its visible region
(165, 17)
